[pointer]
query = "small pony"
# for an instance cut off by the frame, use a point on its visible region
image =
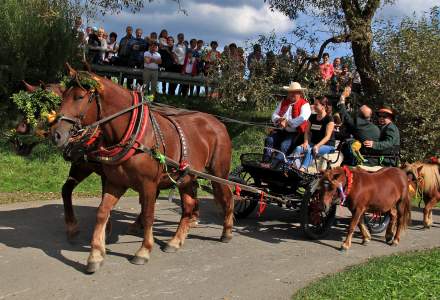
(383, 191)
(424, 180)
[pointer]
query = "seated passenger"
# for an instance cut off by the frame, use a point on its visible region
(291, 117)
(361, 128)
(320, 134)
(389, 140)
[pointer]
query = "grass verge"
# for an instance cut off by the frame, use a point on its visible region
(413, 275)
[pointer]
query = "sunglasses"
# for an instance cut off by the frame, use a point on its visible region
(382, 115)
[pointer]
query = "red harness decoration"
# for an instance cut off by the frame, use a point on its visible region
(349, 176)
(263, 204)
(237, 190)
(106, 155)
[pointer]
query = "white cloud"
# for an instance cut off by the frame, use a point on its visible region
(407, 7)
(205, 20)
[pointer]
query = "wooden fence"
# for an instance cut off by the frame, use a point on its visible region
(132, 73)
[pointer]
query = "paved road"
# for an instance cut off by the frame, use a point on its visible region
(267, 259)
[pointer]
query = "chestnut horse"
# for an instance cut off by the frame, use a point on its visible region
(79, 170)
(425, 181)
(383, 191)
(208, 148)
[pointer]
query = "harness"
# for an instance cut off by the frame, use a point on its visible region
(345, 191)
(87, 143)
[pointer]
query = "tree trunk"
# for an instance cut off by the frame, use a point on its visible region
(362, 49)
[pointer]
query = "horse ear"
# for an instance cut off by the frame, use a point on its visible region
(71, 71)
(42, 84)
(87, 66)
(30, 88)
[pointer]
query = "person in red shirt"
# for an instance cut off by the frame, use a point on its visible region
(291, 117)
(326, 68)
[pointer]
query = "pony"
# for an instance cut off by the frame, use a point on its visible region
(424, 180)
(196, 139)
(383, 191)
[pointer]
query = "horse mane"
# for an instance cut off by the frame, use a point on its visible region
(430, 173)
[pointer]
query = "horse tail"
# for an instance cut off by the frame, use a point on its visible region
(405, 208)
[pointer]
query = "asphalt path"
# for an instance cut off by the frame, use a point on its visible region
(268, 258)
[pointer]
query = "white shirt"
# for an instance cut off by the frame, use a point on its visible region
(152, 65)
(180, 51)
(292, 123)
(189, 66)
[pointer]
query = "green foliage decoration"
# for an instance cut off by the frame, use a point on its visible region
(81, 79)
(36, 106)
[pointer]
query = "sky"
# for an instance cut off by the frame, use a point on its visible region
(228, 21)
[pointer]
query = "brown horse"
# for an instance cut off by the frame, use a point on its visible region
(425, 181)
(79, 170)
(383, 191)
(208, 148)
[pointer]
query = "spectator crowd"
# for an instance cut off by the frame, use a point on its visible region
(162, 52)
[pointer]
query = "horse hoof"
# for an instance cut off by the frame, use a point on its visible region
(394, 244)
(137, 260)
(92, 267)
(343, 249)
(365, 242)
(226, 238)
(388, 239)
(170, 249)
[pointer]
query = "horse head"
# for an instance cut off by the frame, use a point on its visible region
(331, 184)
(85, 98)
(23, 127)
(415, 177)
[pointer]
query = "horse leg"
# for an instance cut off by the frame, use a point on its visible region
(77, 174)
(110, 197)
(353, 223)
(427, 212)
(138, 225)
(148, 200)
(188, 206)
(389, 235)
(366, 236)
(196, 211)
(223, 195)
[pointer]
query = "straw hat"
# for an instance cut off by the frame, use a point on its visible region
(386, 110)
(294, 87)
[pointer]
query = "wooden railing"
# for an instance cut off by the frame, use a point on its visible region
(132, 73)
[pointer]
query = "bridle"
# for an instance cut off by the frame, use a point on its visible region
(77, 127)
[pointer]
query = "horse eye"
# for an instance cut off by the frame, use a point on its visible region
(78, 98)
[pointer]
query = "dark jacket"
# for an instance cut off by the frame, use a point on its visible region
(137, 56)
(388, 144)
(362, 129)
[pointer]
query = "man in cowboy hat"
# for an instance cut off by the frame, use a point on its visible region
(291, 117)
(389, 140)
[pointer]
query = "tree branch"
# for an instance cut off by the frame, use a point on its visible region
(370, 9)
(343, 38)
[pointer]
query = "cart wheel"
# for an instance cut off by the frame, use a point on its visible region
(247, 203)
(376, 223)
(315, 223)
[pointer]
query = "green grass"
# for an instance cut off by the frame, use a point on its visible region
(414, 275)
(42, 174)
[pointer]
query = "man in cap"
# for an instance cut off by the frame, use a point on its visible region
(389, 140)
(291, 117)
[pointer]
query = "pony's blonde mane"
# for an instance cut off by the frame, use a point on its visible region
(430, 173)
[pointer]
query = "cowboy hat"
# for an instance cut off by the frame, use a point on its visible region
(294, 87)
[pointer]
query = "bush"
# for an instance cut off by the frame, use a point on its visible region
(36, 40)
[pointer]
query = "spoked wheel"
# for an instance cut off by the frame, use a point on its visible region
(315, 223)
(247, 202)
(376, 222)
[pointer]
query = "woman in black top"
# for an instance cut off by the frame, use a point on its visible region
(319, 138)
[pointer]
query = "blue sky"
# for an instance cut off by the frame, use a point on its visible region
(230, 21)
